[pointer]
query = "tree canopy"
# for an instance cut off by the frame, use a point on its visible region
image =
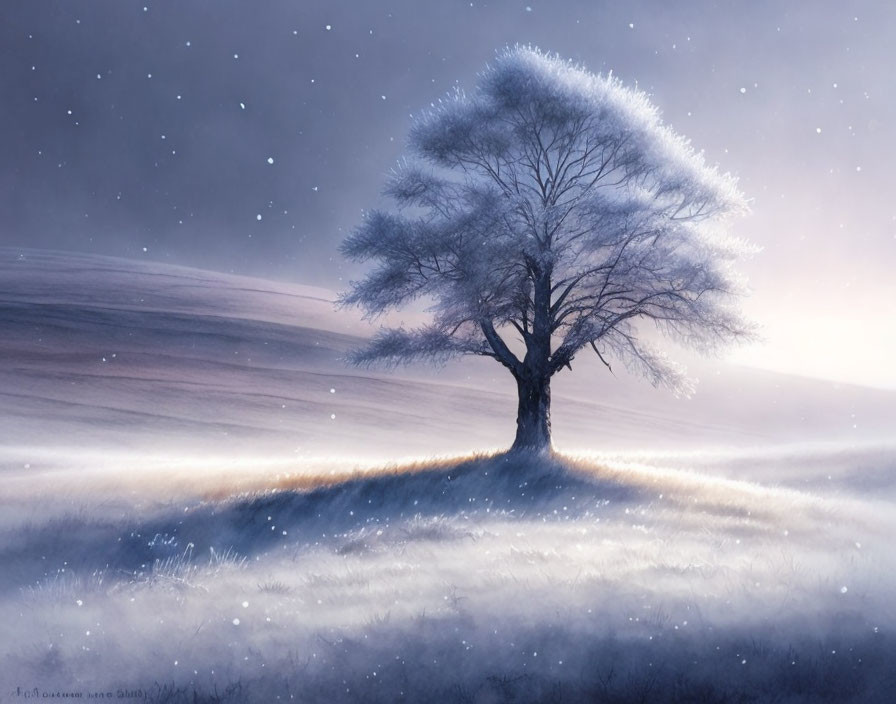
(551, 205)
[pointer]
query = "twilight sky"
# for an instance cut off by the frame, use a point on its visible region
(163, 130)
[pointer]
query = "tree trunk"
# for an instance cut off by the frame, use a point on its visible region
(533, 380)
(533, 419)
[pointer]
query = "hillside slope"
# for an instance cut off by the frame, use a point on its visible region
(106, 354)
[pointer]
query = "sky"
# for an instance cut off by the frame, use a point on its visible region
(248, 137)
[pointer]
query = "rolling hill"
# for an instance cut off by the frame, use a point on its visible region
(103, 354)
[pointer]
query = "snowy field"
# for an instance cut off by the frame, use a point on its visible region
(200, 502)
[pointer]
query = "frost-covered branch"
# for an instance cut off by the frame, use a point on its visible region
(553, 205)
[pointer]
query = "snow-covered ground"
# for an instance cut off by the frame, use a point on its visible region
(182, 514)
(485, 580)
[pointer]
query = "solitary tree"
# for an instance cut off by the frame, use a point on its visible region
(550, 212)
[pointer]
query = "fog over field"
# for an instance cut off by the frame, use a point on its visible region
(200, 499)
